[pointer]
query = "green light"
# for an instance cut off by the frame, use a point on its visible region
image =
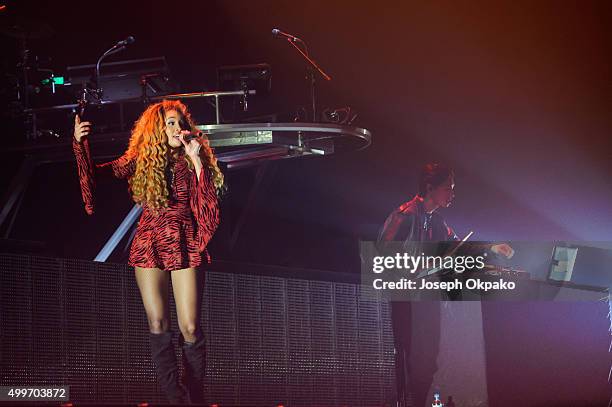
(58, 80)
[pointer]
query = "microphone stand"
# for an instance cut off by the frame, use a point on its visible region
(97, 91)
(312, 76)
(112, 50)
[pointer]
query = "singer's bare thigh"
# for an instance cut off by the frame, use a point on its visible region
(188, 287)
(153, 286)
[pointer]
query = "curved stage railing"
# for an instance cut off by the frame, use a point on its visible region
(256, 142)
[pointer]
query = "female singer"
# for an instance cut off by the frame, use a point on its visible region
(176, 182)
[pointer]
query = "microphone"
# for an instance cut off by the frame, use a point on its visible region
(129, 40)
(278, 33)
(193, 135)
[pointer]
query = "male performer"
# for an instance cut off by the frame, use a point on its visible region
(414, 222)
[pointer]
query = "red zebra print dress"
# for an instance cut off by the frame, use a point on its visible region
(176, 237)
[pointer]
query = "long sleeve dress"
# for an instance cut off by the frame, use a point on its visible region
(176, 237)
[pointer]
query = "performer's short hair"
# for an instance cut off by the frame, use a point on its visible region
(434, 174)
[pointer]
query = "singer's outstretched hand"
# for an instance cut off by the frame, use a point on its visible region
(81, 129)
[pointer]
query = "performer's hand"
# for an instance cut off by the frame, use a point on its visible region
(192, 148)
(81, 129)
(503, 249)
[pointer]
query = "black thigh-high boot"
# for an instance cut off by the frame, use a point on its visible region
(164, 358)
(194, 363)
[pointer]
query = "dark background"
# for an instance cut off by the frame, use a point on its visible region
(514, 95)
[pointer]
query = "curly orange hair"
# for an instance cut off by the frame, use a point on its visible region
(149, 147)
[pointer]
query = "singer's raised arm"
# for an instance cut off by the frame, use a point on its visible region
(122, 167)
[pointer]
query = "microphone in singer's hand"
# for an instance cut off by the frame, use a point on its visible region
(193, 135)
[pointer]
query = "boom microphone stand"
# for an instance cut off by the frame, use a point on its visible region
(312, 68)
